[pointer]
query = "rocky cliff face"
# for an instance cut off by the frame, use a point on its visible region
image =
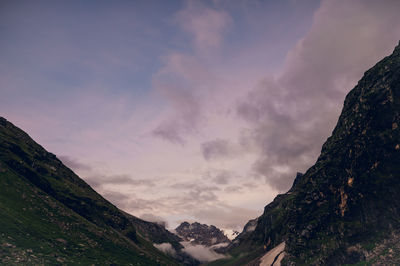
(346, 208)
(201, 234)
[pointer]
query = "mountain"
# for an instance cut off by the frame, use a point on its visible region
(51, 216)
(346, 208)
(201, 234)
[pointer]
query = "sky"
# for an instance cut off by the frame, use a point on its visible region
(185, 110)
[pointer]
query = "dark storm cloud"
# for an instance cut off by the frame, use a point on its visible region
(294, 113)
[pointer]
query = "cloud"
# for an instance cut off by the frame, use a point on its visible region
(175, 82)
(220, 176)
(201, 253)
(292, 113)
(218, 148)
(136, 204)
(196, 192)
(205, 24)
(224, 215)
(117, 198)
(202, 195)
(233, 189)
(185, 81)
(194, 185)
(170, 131)
(99, 180)
(154, 219)
(166, 248)
(186, 112)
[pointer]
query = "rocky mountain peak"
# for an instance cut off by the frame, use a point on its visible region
(201, 234)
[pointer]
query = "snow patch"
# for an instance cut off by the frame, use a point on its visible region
(166, 248)
(274, 256)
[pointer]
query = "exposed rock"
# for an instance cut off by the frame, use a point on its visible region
(201, 234)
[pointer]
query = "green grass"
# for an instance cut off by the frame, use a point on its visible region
(41, 230)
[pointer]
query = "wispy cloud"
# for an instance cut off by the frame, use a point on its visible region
(185, 80)
(201, 253)
(219, 148)
(205, 24)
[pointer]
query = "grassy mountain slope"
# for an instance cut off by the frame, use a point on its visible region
(49, 215)
(346, 208)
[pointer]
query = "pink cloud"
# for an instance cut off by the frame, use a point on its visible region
(207, 25)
